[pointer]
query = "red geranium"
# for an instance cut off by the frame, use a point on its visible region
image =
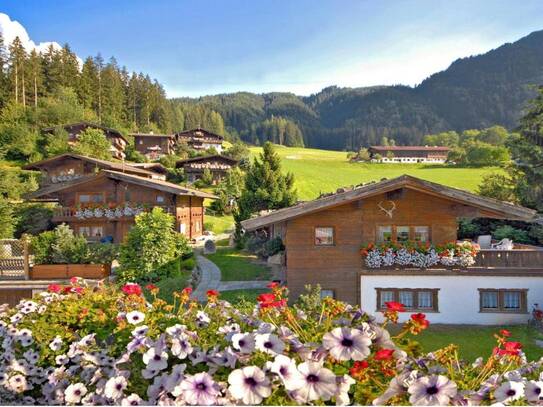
(73, 280)
(384, 354)
(509, 348)
(358, 368)
(395, 306)
(212, 293)
(54, 288)
(131, 289)
(273, 284)
(187, 290)
(505, 332)
(151, 287)
(266, 297)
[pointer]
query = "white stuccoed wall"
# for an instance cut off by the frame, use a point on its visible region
(458, 297)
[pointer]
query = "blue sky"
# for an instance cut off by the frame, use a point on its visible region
(205, 47)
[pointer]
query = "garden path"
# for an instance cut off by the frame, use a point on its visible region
(211, 280)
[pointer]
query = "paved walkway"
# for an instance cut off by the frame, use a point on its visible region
(211, 280)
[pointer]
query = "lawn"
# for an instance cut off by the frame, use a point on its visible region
(170, 285)
(475, 341)
(219, 224)
(234, 296)
(238, 265)
(317, 171)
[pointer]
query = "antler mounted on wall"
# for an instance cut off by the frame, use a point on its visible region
(387, 211)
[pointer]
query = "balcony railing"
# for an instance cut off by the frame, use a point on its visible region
(63, 213)
(523, 258)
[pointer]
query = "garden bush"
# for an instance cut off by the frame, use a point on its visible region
(272, 246)
(62, 246)
(151, 245)
(509, 232)
(82, 345)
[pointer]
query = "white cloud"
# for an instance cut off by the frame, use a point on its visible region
(11, 29)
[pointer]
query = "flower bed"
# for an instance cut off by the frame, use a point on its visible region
(104, 346)
(419, 255)
(108, 212)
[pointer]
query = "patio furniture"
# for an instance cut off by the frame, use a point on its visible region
(504, 244)
(484, 241)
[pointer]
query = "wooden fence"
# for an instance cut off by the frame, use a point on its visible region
(14, 259)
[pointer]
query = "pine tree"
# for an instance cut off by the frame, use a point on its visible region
(17, 57)
(88, 84)
(3, 77)
(36, 76)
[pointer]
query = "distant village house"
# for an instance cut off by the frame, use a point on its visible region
(153, 146)
(118, 142)
(409, 154)
(201, 140)
(218, 165)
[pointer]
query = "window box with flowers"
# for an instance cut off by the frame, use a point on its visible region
(419, 255)
(108, 211)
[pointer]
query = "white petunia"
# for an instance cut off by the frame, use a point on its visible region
(534, 391)
(132, 400)
(140, 331)
(431, 391)
(315, 382)
(155, 360)
(285, 368)
(181, 346)
(249, 384)
(269, 343)
(56, 344)
(17, 383)
(243, 342)
(347, 344)
(342, 392)
(135, 317)
(200, 389)
(74, 393)
(508, 392)
(115, 387)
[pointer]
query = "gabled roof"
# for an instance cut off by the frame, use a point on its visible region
(153, 167)
(409, 148)
(121, 176)
(206, 158)
(207, 132)
(503, 209)
(112, 165)
(152, 135)
(89, 124)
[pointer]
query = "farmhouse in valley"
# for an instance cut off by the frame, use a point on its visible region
(118, 142)
(99, 199)
(218, 165)
(409, 154)
(153, 146)
(329, 242)
(200, 139)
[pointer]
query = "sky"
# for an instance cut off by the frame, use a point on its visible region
(202, 47)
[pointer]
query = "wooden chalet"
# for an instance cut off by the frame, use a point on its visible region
(323, 240)
(156, 168)
(153, 146)
(118, 142)
(99, 199)
(409, 154)
(218, 165)
(200, 139)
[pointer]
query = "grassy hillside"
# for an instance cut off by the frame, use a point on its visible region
(319, 171)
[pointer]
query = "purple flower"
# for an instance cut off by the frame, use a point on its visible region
(346, 344)
(249, 385)
(315, 382)
(509, 392)
(200, 389)
(432, 390)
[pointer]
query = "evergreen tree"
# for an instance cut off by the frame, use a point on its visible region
(35, 71)
(4, 84)
(93, 143)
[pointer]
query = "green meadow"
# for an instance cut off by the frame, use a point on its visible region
(318, 171)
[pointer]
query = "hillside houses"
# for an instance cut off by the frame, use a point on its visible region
(118, 142)
(99, 199)
(154, 146)
(349, 243)
(201, 140)
(409, 154)
(217, 165)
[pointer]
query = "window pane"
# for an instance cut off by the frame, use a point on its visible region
(406, 298)
(489, 299)
(96, 231)
(402, 233)
(324, 236)
(84, 198)
(97, 198)
(160, 198)
(84, 231)
(511, 300)
(327, 293)
(384, 234)
(386, 296)
(422, 233)
(425, 299)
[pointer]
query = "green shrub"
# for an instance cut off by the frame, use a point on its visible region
(61, 246)
(32, 219)
(509, 232)
(150, 245)
(272, 246)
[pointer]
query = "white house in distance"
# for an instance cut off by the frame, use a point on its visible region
(409, 154)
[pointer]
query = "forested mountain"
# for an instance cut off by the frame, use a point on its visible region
(475, 92)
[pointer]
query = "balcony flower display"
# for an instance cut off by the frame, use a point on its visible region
(419, 255)
(105, 345)
(108, 212)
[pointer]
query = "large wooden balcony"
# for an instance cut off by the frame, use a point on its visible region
(520, 257)
(70, 214)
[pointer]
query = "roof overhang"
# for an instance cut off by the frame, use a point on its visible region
(497, 208)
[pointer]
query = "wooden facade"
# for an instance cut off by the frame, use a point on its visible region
(118, 142)
(200, 139)
(154, 146)
(218, 165)
(404, 208)
(106, 189)
(409, 154)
